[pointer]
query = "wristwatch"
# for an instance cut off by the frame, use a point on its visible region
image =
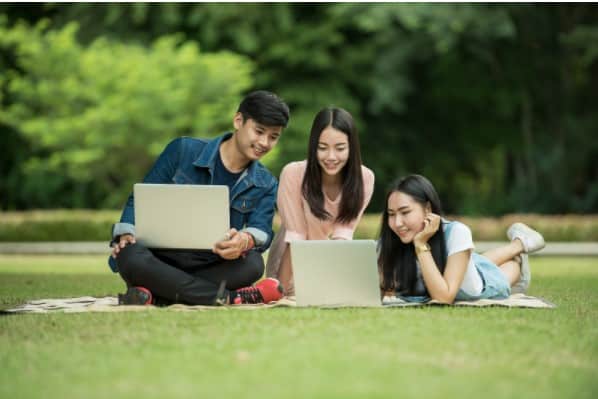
(420, 248)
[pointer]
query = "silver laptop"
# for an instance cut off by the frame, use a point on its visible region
(335, 273)
(180, 216)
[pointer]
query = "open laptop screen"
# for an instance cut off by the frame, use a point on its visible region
(335, 273)
(181, 216)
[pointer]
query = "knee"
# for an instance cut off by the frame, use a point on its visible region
(130, 259)
(254, 266)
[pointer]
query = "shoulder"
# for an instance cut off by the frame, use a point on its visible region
(189, 145)
(294, 167)
(184, 146)
(293, 170)
(368, 176)
(457, 236)
(187, 141)
(454, 229)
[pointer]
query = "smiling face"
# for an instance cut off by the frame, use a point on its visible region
(332, 151)
(405, 216)
(252, 139)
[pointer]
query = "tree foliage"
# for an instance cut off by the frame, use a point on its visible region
(96, 116)
(494, 103)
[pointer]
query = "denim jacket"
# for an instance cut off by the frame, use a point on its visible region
(191, 161)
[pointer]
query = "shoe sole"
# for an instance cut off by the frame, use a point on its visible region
(525, 277)
(279, 287)
(134, 296)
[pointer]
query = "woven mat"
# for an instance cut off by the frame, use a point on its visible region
(514, 301)
(110, 304)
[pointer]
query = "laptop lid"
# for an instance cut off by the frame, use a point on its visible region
(180, 216)
(335, 273)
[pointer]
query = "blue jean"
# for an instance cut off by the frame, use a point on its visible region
(496, 285)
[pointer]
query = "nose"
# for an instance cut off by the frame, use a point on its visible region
(398, 221)
(264, 141)
(331, 156)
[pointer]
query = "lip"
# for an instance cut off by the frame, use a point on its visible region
(259, 152)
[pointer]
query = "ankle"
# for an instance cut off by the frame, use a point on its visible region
(517, 259)
(518, 246)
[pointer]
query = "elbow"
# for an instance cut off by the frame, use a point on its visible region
(445, 298)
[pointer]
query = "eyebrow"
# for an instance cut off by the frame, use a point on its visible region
(400, 208)
(335, 145)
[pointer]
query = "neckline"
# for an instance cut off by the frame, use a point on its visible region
(336, 200)
(221, 160)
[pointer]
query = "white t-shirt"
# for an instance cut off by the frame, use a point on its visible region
(459, 239)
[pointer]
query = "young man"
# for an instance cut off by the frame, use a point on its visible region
(225, 274)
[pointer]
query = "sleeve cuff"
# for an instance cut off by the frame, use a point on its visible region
(118, 229)
(259, 237)
(294, 236)
(343, 233)
(459, 249)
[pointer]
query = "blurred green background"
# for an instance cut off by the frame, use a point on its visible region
(496, 104)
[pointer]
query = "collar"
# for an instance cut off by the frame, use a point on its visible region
(254, 174)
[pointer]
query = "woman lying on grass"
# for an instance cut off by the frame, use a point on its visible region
(423, 255)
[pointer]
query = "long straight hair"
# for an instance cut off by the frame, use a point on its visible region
(396, 260)
(352, 188)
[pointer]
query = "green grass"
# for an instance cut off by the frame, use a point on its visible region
(298, 353)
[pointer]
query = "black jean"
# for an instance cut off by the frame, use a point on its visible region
(190, 277)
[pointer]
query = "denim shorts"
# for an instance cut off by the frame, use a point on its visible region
(496, 285)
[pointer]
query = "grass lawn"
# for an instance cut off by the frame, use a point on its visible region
(278, 353)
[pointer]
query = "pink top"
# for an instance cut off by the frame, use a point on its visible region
(298, 221)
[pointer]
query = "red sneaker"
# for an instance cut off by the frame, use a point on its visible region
(136, 296)
(266, 291)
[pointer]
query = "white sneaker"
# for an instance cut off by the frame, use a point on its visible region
(525, 277)
(532, 240)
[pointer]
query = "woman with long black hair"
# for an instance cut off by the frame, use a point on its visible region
(324, 196)
(422, 255)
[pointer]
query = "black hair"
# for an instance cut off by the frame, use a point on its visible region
(352, 189)
(265, 108)
(396, 260)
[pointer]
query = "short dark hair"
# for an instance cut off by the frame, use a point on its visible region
(352, 191)
(265, 108)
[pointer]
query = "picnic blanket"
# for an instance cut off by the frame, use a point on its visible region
(110, 304)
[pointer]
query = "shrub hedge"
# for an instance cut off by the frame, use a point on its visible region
(91, 225)
(553, 227)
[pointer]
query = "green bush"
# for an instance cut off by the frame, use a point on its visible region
(552, 227)
(56, 231)
(88, 225)
(58, 225)
(95, 117)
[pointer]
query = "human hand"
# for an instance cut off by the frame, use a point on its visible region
(331, 236)
(125, 239)
(234, 244)
(431, 225)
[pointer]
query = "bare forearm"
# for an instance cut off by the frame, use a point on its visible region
(285, 273)
(437, 286)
